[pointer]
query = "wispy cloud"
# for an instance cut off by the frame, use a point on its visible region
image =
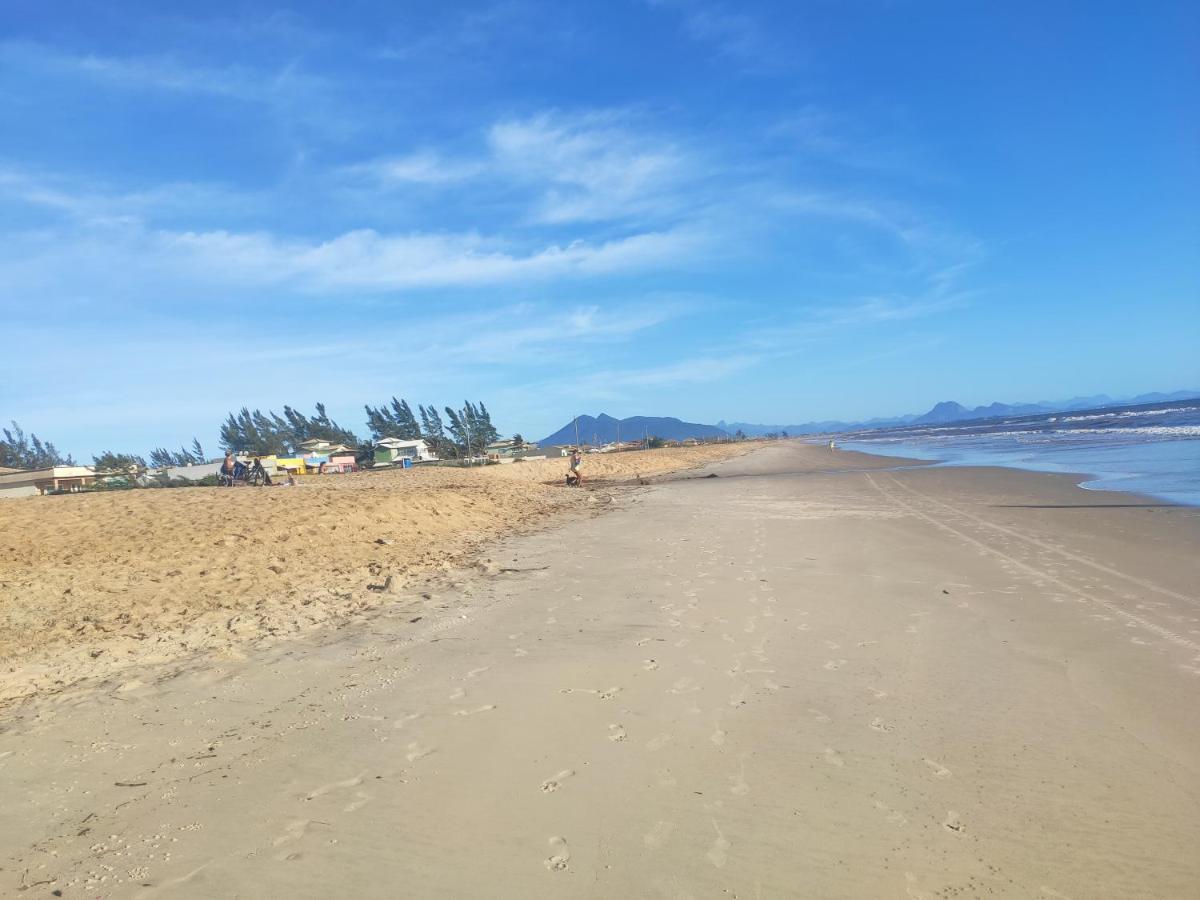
(420, 167)
(368, 260)
(735, 36)
(593, 167)
(599, 166)
(166, 73)
(92, 202)
(131, 260)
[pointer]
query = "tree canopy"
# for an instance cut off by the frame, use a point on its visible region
(17, 451)
(265, 434)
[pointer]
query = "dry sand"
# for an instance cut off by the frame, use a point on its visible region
(92, 583)
(818, 675)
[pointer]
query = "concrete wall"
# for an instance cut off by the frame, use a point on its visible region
(193, 473)
(10, 491)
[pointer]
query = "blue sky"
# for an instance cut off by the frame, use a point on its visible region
(749, 211)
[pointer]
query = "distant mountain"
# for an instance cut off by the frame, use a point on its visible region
(949, 411)
(603, 428)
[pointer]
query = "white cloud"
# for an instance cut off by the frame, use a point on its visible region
(165, 73)
(420, 167)
(590, 168)
(125, 259)
(368, 260)
(732, 33)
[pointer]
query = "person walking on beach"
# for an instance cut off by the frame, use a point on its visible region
(574, 476)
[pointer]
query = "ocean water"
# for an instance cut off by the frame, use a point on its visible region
(1152, 449)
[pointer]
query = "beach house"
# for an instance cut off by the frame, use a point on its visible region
(51, 480)
(507, 449)
(333, 456)
(393, 451)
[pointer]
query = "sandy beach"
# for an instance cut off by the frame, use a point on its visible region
(817, 674)
(92, 584)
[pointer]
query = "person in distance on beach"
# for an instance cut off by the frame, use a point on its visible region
(574, 476)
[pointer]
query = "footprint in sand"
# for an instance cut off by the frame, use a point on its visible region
(658, 835)
(520, 652)
(657, 743)
(834, 664)
(939, 771)
(820, 716)
(616, 733)
(650, 665)
(867, 643)
(361, 800)
(334, 785)
(738, 699)
(833, 645)
(878, 694)
(718, 737)
(737, 783)
(550, 785)
(478, 709)
(644, 641)
(292, 832)
(404, 720)
(954, 823)
(879, 725)
(684, 686)
(610, 693)
(416, 751)
(474, 673)
(892, 815)
(718, 853)
(560, 855)
(457, 695)
(834, 758)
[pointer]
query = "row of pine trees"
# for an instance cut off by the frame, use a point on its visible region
(462, 431)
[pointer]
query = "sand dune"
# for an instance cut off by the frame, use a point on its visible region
(92, 583)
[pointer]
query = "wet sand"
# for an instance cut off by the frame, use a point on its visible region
(817, 675)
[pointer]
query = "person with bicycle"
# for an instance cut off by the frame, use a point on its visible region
(228, 467)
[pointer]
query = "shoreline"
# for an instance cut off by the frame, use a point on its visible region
(1079, 478)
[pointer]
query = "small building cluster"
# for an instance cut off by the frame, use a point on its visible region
(51, 480)
(510, 451)
(315, 457)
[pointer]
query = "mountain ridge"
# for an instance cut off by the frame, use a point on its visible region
(947, 411)
(603, 429)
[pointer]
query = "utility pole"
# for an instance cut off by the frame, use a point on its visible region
(577, 447)
(467, 430)
(618, 435)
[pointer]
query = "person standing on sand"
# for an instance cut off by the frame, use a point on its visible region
(574, 476)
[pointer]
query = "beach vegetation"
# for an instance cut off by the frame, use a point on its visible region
(108, 461)
(265, 434)
(18, 451)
